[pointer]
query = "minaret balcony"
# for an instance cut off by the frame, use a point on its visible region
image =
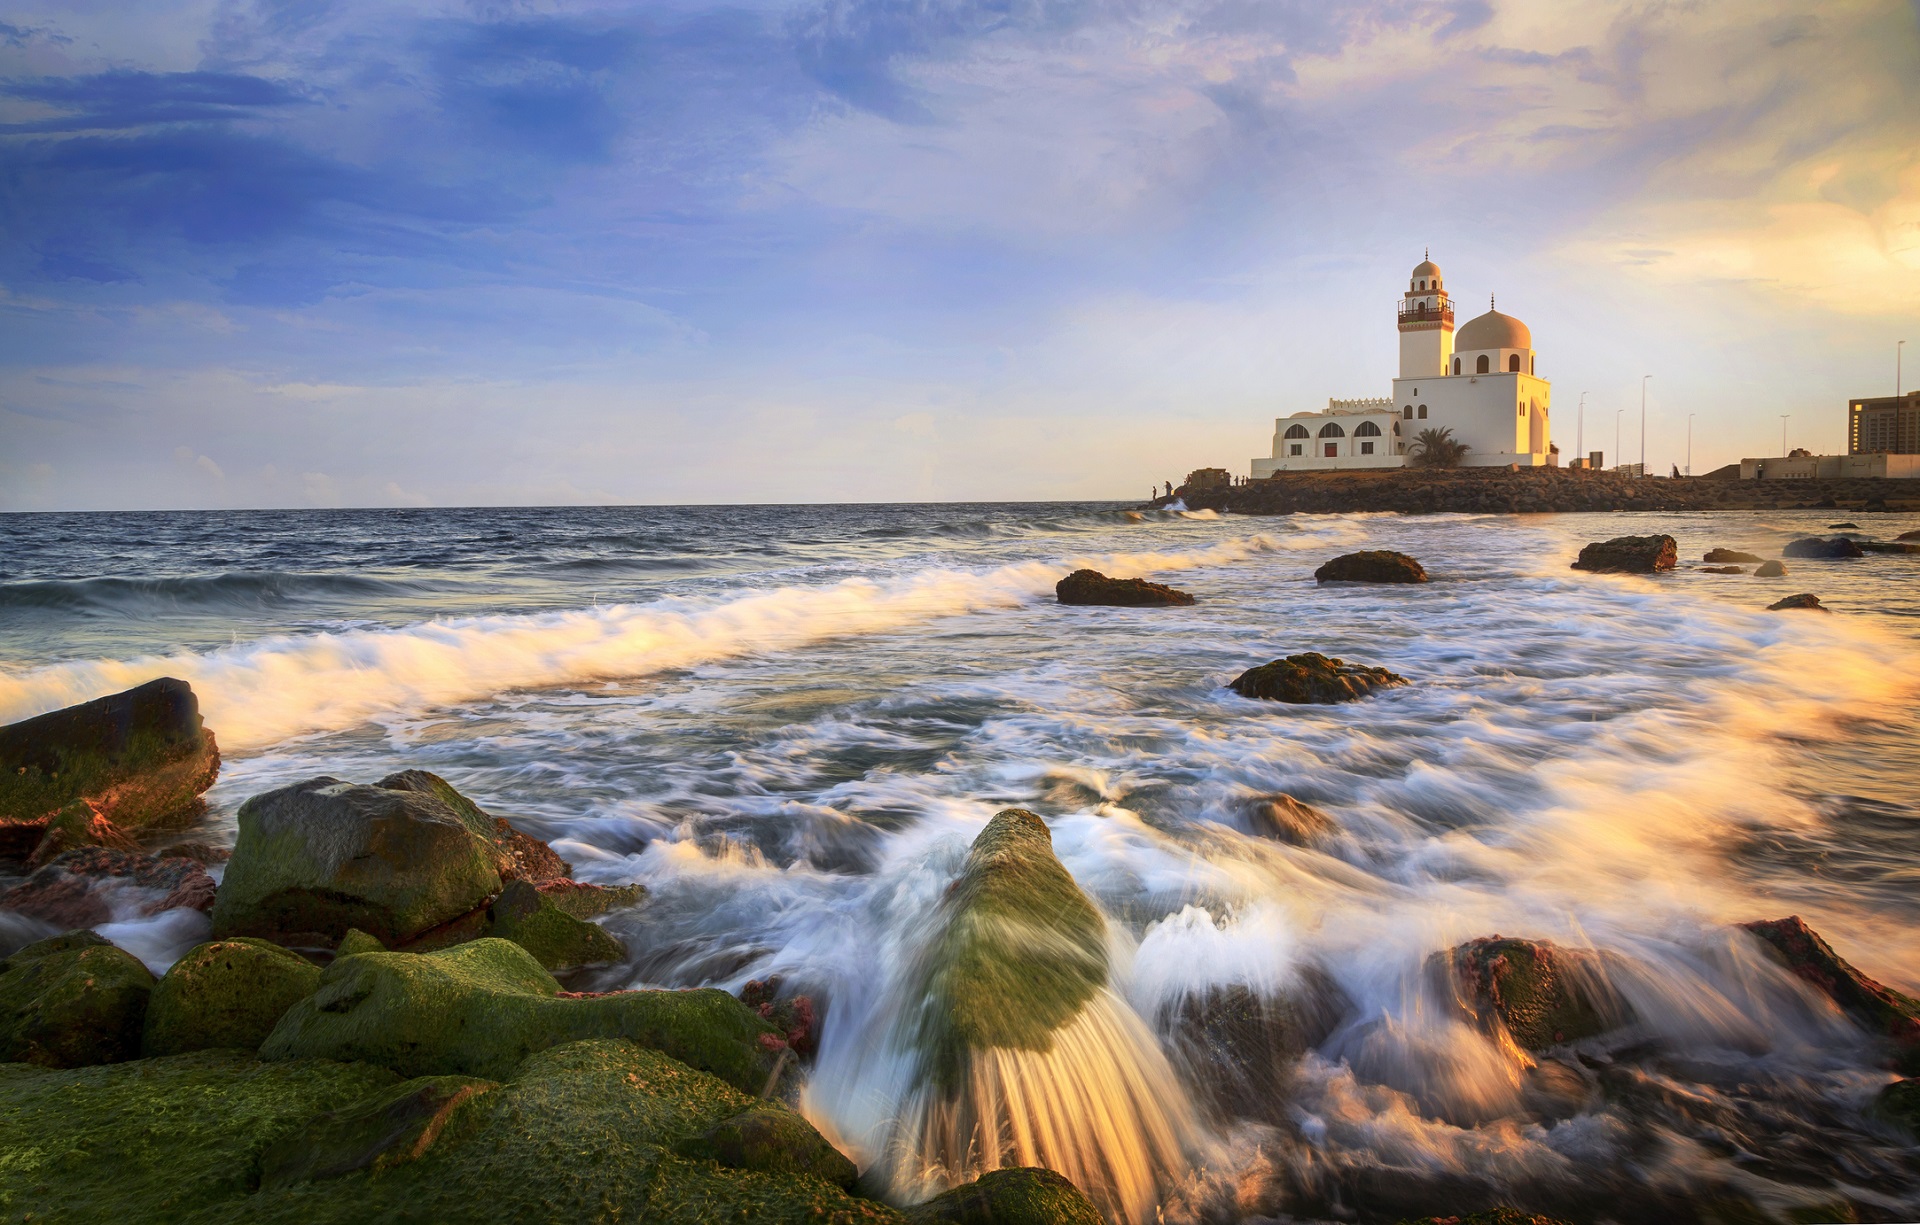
(1421, 312)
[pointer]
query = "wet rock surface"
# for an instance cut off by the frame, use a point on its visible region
(1805, 600)
(1021, 1196)
(1770, 569)
(1093, 587)
(70, 1001)
(1313, 678)
(88, 887)
(135, 759)
(1629, 555)
(225, 993)
(1874, 1006)
(1818, 547)
(1722, 570)
(1732, 555)
(1240, 1045)
(1285, 819)
(1372, 566)
(1540, 993)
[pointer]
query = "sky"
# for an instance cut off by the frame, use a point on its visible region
(314, 253)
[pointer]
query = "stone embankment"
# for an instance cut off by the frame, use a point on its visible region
(1500, 491)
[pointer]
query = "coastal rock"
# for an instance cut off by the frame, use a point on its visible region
(78, 825)
(88, 887)
(584, 901)
(225, 993)
(792, 1015)
(136, 758)
(1732, 555)
(519, 856)
(1497, 1216)
(1899, 1103)
(1372, 566)
(1914, 535)
(478, 1009)
(1875, 1007)
(1815, 546)
(1722, 570)
(1771, 569)
(1629, 555)
(1285, 819)
(581, 1132)
(72, 1000)
(1022, 1195)
(556, 938)
(387, 1129)
(1538, 992)
(1834, 527)
(1312, 678)
(1889, 546)
(771, 1140)
(1020, 951)
(1093, 587)
(316, 858)
(1805, 600)
(1240, 1045)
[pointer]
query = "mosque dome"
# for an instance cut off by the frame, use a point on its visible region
(1492, 330)
(1426, 268)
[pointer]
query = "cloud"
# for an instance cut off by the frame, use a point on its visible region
(126, 99)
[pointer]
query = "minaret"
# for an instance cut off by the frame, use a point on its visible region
(1426, 324)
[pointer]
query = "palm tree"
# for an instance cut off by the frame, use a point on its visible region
(1437, 449)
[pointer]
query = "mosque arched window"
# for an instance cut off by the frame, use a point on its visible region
(1513, 363)
(1482, 363)
(1366, 429)
(1296, 431)
(1332, 430)
(1407, 412)
(1423, 412)
(1456, 365)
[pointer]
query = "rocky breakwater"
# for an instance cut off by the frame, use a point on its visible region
(252, 1083)
(1533, 490)
(94, 774)
(1019, 1051)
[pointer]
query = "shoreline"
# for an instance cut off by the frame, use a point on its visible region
(1535, 491)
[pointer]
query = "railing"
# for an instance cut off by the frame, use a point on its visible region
(1411, 312)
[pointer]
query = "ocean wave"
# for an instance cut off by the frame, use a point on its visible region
(231, 590)
(260, 692)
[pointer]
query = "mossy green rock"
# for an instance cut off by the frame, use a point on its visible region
(357, 941)
(555, 938)
(1019, 951)
(479, 1009)
(139, 757)
(71, 1001)
(389, 1129)
(320, 857)
(1023, 1195)
(1899, 1103)
(155, 1140)
(1541, 993)
(772, 1140)
(225, 993)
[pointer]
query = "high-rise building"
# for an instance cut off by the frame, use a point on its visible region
(1884, 425)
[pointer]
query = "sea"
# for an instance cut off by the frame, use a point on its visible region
(789, 722)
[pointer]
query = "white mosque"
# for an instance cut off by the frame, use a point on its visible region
(1481, 386)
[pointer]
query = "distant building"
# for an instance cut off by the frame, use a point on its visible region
(1829, 467)
(1884, 425)
(1483, 389)
(1207, 478)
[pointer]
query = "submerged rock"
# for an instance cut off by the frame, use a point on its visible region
(1723, 570)
(1540, 993)
(1372, 566)
(1629, 555)
(1834, 527)
(1285, 819)
(1899, 1103)
(84, 888)
(1770, 569)
(72, 1000)
(136, 759)
(1498, 1216)
(1022, 1195)
(1875, 1007)
(1806, 600)
(1313, 678)
(1093, 587)
(1815, 546)
(1889, 546)
(478, 1009)
(227, 993)
(1913, 535)
(1240, 1046)
(1726, 555)
(316, 858)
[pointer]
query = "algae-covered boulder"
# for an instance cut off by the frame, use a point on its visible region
(1020, 951)
(1874, 1006)
(1093, 587)
(773, 1140)
(70, 1001)
(1539, 992)
(1629, 555)
(478, 1009)
(388, 1129)
(1372, 566)
(156, 1139)
(1311, 677)
(137, 758)
(557, 939)
(1017, 1196)
(322, 856)
(225, 993)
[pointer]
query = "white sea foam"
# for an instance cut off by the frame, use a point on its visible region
(265, 691)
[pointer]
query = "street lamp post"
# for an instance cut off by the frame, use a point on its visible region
(1897, 346)
(1689, 444)
(1618, 413)
(1783, 434)
(1643, 423)
(1580, 428)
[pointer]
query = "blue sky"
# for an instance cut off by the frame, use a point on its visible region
(314, 253)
